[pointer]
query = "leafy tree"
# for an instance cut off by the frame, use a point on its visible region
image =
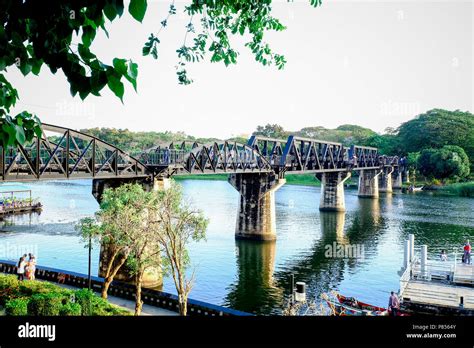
(412, 160)
(412, 163)
(437, 128)
(347, 134)
(34, 34)
(177, 224)
(449, 162)
(387, 144)
(271, 131)
(118, 226)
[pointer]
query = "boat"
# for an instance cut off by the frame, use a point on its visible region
(349, 306)
(412, 188)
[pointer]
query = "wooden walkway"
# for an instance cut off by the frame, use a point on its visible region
(442, 288)
(438, 294)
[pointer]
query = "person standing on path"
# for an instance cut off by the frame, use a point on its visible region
(31, 267)
(467, 253)
(21, 268)
(393, 304)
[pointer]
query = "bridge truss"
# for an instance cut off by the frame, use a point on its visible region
(214, 158)
(63, 153)
(304, 155)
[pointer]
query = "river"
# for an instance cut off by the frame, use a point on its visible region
(253, 276)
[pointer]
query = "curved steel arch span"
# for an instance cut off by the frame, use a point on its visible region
(67, 154)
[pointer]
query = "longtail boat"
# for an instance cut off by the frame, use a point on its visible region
(342, 305)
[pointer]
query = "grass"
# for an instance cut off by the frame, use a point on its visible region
(32, 297)
(201, 177)
(291, 179)
(465, 189)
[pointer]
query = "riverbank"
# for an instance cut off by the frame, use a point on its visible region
(464, 189)
(291, 179)
(53, 284)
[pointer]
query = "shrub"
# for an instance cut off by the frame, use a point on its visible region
(8, 282)
(85, 297)
(42, 298)
(8, 288)
(45, 304)
(32, 287)
(17, 306)
(71, 309)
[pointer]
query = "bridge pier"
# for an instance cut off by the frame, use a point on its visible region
(153, 276)
(369, 183)
(406, 176)
(100, 185)
(256, 215)
(332, 190)
(385, 180)
(397, 179)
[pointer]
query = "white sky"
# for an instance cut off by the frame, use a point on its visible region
(375, 64)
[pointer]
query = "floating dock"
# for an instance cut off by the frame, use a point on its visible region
(10, 204)
(436, 287)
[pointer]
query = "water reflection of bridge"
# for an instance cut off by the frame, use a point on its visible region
(261, 289)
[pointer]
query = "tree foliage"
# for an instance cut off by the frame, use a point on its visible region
(118, 226)
(146, 230)
(347, 134)
(212, 24)
(449, 162)
(437, 128)
(177, 225)
(271, 131)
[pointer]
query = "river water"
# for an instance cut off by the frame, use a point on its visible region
(253, 276)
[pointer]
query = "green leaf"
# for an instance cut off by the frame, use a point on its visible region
(120, 65)
(137, 9)
(20, 134)
(36, 65)
(110, 11)
(25, 67)
(115, 85)
(88, 35)
(85, 53)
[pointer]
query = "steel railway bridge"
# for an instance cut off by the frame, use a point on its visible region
(256, 169)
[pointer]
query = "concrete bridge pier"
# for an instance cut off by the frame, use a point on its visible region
(385, 180)
(332, 190)
(153, 276)
(256, 215)
(406, 176)
(369, 183)
(397, 179)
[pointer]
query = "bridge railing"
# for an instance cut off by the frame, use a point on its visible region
(164, 157)
(217, 157)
